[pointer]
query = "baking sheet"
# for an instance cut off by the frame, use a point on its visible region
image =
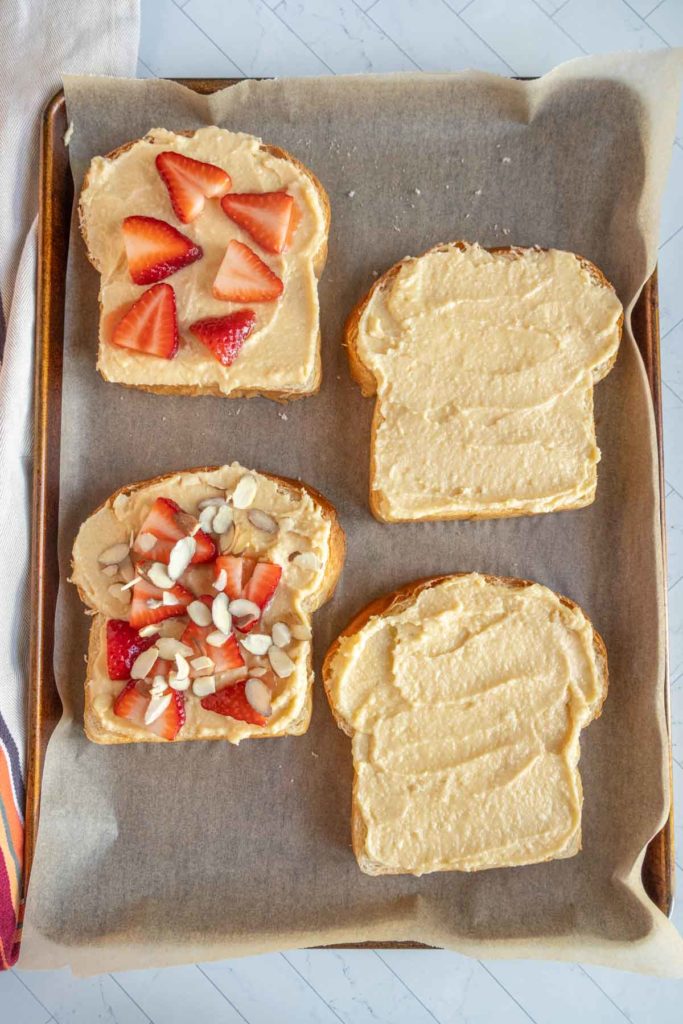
(271, 865)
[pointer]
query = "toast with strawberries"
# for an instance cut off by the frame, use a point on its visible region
(201, 585)
(209, 246)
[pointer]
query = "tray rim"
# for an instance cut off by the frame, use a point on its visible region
(43, 703)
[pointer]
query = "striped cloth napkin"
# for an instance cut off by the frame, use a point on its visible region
(39, 41)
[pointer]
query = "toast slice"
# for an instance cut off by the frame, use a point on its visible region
(483, 364)
(465, 697)
(201, 585)
(211, 266)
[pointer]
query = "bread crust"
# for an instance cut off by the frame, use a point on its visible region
(319, 260)
(367, 382)
(397, 600)
(333, 568)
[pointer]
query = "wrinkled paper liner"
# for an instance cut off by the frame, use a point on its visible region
(151, 855)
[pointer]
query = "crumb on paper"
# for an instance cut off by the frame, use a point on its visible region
(313, 754)
(375, 273)
(396, 227)
(447, 187)
(417, 191)
(477, 191)
(506, 231)
(282, 415)
(352, 193)
(467, 216)
(68, 133)
(506, 160)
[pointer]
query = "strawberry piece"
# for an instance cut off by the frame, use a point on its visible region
(169, 523)
(123, 646)
(141, 614)
(255, 581)
(156, 250)
(225, 335)
(294, 221)
(238, 570)
(133, 701)
(190, 183)
(232, 702)
(225, 658)
(244, 277)
(151, 324)
(263, 583)
(265, 216)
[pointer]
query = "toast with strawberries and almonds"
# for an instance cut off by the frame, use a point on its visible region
(201, 585)
(209, 246)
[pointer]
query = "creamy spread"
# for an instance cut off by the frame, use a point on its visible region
(282, 351)
(466, 705)
(302, 527)
(485, 365)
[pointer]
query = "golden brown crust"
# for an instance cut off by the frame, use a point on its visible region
(392, 602)
(319, 260)
(365, 378)
(335, 563)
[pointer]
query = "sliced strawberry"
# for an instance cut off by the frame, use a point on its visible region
(151, 324)
(263, 583)
(243, 277)
(155, 250)
(143, 613)
(226, 657)
(133, 701)
(263, 215)
(169, 523)
(190, 182)
(232, 702)
(238, 571)
(225, 335)
(294, 221)
(123, 646)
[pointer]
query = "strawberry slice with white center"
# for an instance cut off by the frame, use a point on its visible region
(265, 216)
(147, 605)
(244, 277)
(168, 523)
(225, 335)
(150, 325)
(156, 250)
(124, 644)
(190, 183)
(225, 658)
(134, 700)
(252, 580)
(231, 701)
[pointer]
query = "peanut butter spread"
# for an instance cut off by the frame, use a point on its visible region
(465, 703)
(282, 351)
(300, 529)
(484, 365)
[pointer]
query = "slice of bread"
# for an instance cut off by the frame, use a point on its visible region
(280, 522)
(281, 357)
(483, 364)
(465, 696)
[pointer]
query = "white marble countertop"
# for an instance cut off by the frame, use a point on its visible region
(230, 38)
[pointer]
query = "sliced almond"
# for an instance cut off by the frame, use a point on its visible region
(145, 542)
(261, 520)
(202, 664)
(127, 570)
(152, 602)
(209, 502)
(256, 643)
(281, 664)
(300, 631)
(204, 686)
(221, 580)
(257, 670)
(174, 627)
(227, 539)
(206, 518)
(281, 634)
(177, 682)
(109, 570)
(117, 591)
(307, 560)
(245, 492)
(241, 608)
(217, 639)
(156, 708)
(168, 599)
(258, 695)
(144, 663)
(223, 519)
(131, 583)
(159, 577)
(158, 686)
(222, 619)
(168, 647)
(199, 613)
(181, 555)
(182, 666)
(113, 555)
(148, 630)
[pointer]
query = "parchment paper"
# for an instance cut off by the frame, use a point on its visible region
(149, 855)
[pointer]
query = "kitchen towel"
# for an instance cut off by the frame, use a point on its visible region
(40, 41)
